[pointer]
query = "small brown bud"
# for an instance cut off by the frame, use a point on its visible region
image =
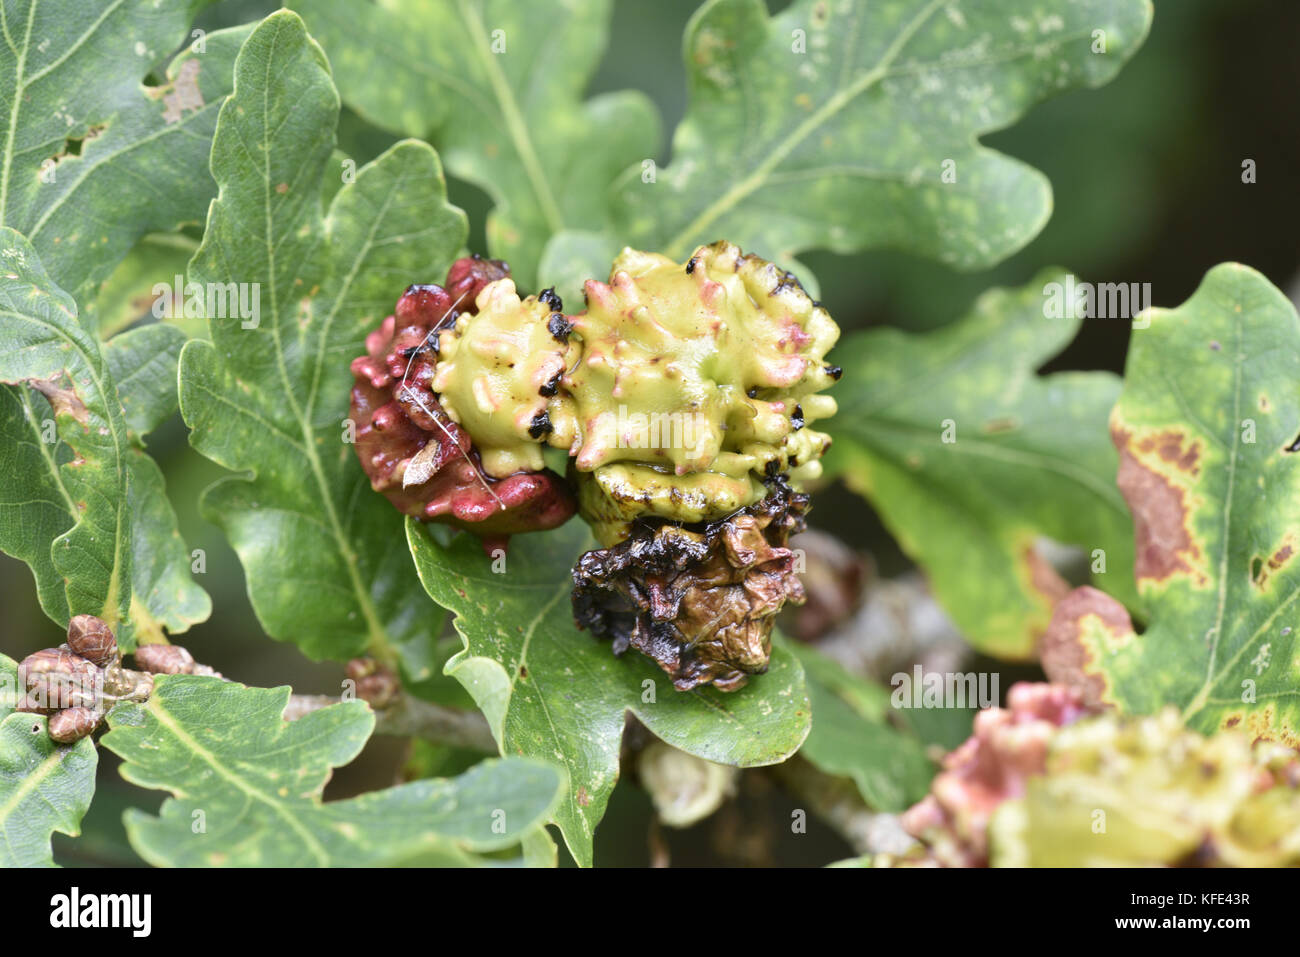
(91, 638)
(54, 661)
(375, 684)
(165, 659)
(55, 691)
(358, 668)
(30, 704)
(379, 690)
(54, 679)
(73, 724)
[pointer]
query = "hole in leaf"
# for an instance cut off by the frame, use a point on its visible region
(73, 145)
(1294, 446)
(1256, 569)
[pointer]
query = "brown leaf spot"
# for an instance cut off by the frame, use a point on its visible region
(1043, 578)
(1066, 657)
(583, 797)
(1262, 725)
(1262, 571)
(184, 93)
(1169, 446)
(994, 426)
(1161, 516)
(64, 401)
(282, 188)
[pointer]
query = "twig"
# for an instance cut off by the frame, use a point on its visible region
(412, 717)
(396, 713)
(836, 801)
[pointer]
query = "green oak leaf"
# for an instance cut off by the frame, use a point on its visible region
(144, 362)
(64, 506)
(165, 598)
(1206, 427)
(574, 256)
(1028, 458)
(552, 692)
(855, 125)
(851, 735)
(497, 86)
(91, 158)
(44, 786)
(230, 760)
(321, 551)
(80, 501)
(129, 293)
